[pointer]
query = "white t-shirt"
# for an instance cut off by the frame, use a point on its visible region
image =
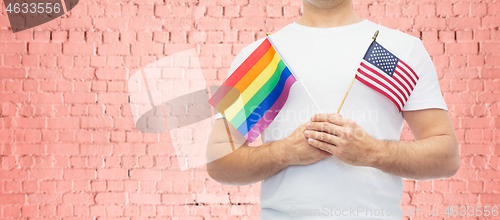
(326, 60)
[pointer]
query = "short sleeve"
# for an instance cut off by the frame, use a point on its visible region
(426, 93)
(242, 56)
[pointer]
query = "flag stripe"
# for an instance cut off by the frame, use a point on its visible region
(378, 83)
(222, 103)
(384, 72)
(259, 96)
(381, 91)
(407, 74)
(402, 76)
(270, 114)
(253, 88)
(254, 64)
(254, 57)
(263, 77)
(407, 93)
(259, 87)
(252, 75)
(396, 76)
(399, 66)
(256, 70)
(385, 77)
(268, 101)
(408, 67)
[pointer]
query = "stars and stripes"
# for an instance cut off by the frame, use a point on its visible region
(387, 74)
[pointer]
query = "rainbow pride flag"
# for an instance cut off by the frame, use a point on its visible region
(255, 92)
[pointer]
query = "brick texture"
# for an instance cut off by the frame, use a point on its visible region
(69, 149)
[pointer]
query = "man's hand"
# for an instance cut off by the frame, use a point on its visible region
(434, 153)
(343, 138)
(247, 165)
(297, 151)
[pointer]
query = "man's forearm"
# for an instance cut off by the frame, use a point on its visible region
(247, 165)
(429, 158)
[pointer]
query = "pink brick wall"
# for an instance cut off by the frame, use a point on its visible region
(68, 145)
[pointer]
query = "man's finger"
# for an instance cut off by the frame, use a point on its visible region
(323, 146)
(322, 136)
(333, 118)
(325, 127)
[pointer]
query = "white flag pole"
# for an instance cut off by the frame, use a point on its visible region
(298, 79)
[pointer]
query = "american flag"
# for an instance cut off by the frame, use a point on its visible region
(387, 74)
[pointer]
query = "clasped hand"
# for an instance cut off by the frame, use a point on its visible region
(343, 138)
